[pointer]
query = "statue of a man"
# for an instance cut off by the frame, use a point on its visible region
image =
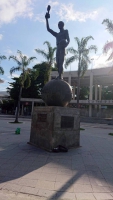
(62, 40)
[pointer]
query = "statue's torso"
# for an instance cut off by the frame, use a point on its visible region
(61, 36)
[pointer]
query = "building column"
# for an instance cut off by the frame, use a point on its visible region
(22, 112)
(100, 95)
(91, 93)
(32, 107)
(96, 89)
(69, 79)
(74, 92)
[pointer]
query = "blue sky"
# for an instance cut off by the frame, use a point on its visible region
(22, 27)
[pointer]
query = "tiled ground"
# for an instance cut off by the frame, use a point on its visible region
(85, 173)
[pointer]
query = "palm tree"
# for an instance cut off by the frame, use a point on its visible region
(82, 56)
(108, 45)
(49, 56)
(22, 64)
(1, 69)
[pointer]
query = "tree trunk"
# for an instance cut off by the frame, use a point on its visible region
(18, 106)
(78, 91)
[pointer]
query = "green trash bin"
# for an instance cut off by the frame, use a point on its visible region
(17, 131)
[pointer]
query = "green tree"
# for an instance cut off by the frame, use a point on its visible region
(109, 45)
(22, 66)
(84, 93)
(43, 77)
(49, 56)
(82, 56)
(1, 68)
(33, 91)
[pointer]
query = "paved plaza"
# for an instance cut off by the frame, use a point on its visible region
(29, 173)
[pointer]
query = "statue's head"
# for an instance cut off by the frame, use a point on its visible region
(60, 25)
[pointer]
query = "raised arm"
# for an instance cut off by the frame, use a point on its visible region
(48, 28)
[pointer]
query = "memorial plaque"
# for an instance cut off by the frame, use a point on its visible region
(67, 122)
(42, 117)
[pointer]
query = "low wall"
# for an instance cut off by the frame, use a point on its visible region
(103, 113)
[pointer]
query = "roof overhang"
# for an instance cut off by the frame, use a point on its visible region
(101, 76)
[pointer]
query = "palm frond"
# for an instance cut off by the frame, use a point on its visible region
(72, 50)
(107, 47)
(43, 53)
(92, 48)
(85, 40)
(28, 82)
(28, 71)
(31, 59)
(15, 59)
(48, 44)
(83, 67)
(109, 25)
(35, 74)
(70, 60)
(86, 58)
(78, 41)
(1, 71)
(3, 57)
(13, 69)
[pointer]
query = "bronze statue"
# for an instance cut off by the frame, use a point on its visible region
(62, 41)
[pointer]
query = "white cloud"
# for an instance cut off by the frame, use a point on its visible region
(11, 9)
(40, 17)
(15, 75)
(1, 36)
(53, 4)
(100, 61)
(67, 12)
(8, 51)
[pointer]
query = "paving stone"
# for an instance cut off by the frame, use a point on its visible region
(27, 182)
(84, 196)
(47, 176)
(103, 196)
(29, 190)
(12, 187)
(32, 175)
(101, 189)
(2, 184)
(59, 186)
(47, 193)
(65, 196)
(48, 185)
(49, 170)
(98, 182)
(64, 178)
(81, 180)
(65, 171)
(78, 188)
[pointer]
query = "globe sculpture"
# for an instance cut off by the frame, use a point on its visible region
(57, 92)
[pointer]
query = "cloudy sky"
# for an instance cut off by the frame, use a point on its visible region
(22, 27)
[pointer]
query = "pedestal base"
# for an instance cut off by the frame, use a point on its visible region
(52, 126)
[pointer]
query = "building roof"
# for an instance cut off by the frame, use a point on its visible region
(1, 81)
(3, 94)
(101, 76)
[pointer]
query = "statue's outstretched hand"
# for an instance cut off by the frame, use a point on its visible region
(47, 15)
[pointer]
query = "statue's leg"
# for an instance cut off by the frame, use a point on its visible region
(57, 60)
(61, 61)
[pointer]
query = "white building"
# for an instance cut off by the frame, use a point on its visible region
(96, 78)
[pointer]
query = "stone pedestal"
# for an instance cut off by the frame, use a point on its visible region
(52, 126)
